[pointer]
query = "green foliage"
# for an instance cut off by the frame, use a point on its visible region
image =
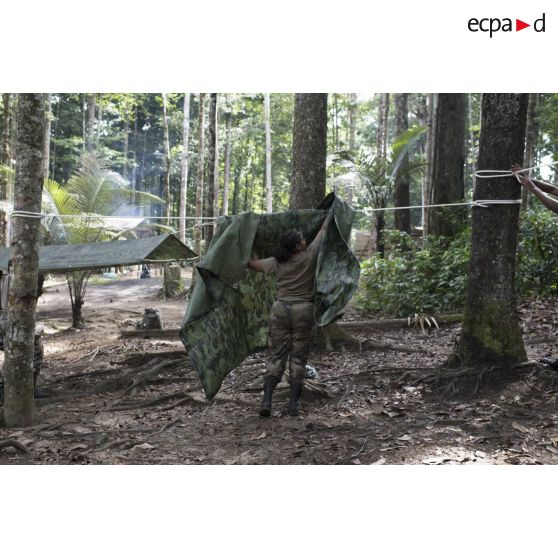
(538, 253)
(415, 278)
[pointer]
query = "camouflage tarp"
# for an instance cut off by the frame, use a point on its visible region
(227, 316)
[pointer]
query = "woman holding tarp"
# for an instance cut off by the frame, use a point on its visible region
(292, 315)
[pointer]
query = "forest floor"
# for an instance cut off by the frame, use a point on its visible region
(139, 401)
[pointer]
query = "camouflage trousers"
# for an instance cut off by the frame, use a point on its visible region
(290, 337)
(38, 348)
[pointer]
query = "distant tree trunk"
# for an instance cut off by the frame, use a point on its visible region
(19, 406)
(125, 145)
(5, 159)
(530, 143)
(166, 176)
(236, 193)
(378, 217)
(141, 186)
(201, 165)
(46, 147)
(426, 182)
(99, 120)
(226, 180)
(56, 123)
(135, 156)
(308, 183)
(212, 175)
(490, 330)
(90, 131)
(353, 105)
(267, 119)
(184, 167)
(448, 165)
(401, 187)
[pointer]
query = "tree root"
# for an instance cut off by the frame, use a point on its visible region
(11, 443)
(154, 402)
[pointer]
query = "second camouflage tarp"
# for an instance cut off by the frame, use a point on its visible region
(227, 316)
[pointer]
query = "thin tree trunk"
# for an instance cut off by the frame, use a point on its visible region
(184, 167)
(491, 330)
(90, 132)
(166, 176)
(135, 156)
(125, 145)
(5, 159)
(426, 182)
(401, 188)
(212, 174)
(228, 121)
(54, 138)
(267, 119)
(19, 406)
(99, 120)
(530, 143)
(201, 165)
(46, 147)
(447, 179)
(236, 193)
(308, 184)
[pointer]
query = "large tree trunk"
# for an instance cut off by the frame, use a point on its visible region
(378, 217)
(46, 146)
(448, 165)
(490, 331)
(212, 169)
(184, 168)
(530, 143)
(18, 369)
(5, 159)
(227, 177)
(201, 165)
(426, 181)
(166, 176)
(308, 183)
(90, 130)
(401, 188)
(267, 120)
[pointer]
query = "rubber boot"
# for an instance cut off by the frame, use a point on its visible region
(296, 391)
(269, 386)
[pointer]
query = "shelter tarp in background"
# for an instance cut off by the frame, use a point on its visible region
(227, 316)
(62, 258)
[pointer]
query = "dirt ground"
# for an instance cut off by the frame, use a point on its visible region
(139, 401)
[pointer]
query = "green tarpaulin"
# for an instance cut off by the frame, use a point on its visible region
(227, 316)
(62, 258)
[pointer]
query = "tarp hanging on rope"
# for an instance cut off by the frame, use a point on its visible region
(62, 258)
(227, 316)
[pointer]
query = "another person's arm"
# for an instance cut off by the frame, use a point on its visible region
(544, 186)
(545, 199)
(256, 265)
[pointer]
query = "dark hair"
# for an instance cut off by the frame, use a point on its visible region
(288, 242)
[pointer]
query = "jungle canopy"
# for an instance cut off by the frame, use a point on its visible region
(62, 258)
(227, 316)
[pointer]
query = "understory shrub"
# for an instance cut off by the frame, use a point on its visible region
(429, 277)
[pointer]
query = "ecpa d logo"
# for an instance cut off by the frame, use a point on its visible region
(493, 25)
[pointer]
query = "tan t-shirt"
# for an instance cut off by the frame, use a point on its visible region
(295, 277)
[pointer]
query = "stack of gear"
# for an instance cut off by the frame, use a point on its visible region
(227, 316)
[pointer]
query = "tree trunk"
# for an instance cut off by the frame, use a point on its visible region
(5, 159)
(184, 168)
(212, 169)
(18, 394)
(46, 146)
(90, 131)
(308, 183)
(530, 144)
(378, 217)
(135, 156)
(236, 193)
(448, 165)
(401, 187)
(426, 181)
(201, 164)
(490, 330)
(267, 119)
(166, 176)
(125, 144)
(226, 180)
(353, 105)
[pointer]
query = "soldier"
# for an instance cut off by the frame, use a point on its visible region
(292, 315)
(38, 349)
